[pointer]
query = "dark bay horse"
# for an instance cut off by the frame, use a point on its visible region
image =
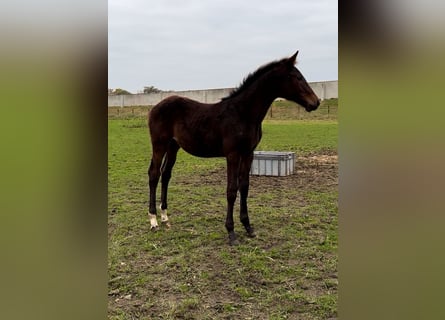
(230, 128)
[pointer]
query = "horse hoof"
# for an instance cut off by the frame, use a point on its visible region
(154, 229)
(251, 234)
(232, 239)
(166, 224)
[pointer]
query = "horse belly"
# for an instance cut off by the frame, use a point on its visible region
(200, 149)
(201, 136)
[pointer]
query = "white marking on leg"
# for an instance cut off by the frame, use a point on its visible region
(153, 221)
(164, 217)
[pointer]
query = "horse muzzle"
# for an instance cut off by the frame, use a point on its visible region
(312, 106)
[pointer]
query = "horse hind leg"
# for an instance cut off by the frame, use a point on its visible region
(154, 172)
(166, 170)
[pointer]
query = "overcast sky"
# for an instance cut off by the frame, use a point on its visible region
(203, 44)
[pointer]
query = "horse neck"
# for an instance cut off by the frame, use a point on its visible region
(255, 102)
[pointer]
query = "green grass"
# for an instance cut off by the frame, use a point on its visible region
(299, 136)
(189, 272)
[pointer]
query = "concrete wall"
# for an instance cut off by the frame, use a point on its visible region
(324, 90)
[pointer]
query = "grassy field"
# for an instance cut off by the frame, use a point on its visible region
(289, 271)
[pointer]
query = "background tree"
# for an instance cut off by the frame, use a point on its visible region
(151, 89)
(119, 91)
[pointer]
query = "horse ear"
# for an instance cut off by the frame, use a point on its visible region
(293, 59)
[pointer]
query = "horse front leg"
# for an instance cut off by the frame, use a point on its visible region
(244, 175)
(233, 164)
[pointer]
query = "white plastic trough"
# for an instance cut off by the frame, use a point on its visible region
(272, 163)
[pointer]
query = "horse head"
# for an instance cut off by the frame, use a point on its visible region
(294, 87)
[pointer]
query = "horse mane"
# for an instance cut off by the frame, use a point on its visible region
(253, 77)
